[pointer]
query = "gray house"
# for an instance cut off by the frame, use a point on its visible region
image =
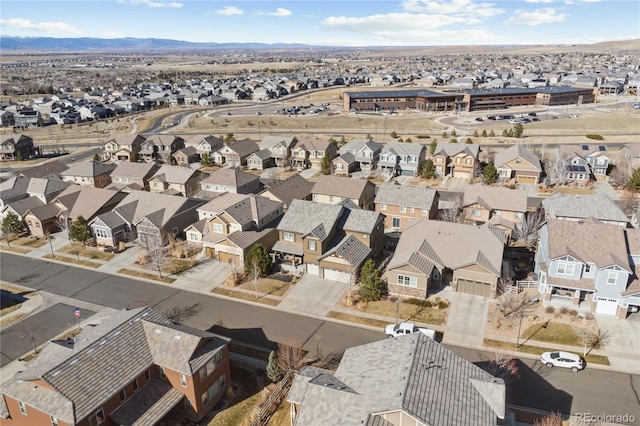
(365, 155)
(589, 262)
(580, 207)
(421, 383)
(397, 158)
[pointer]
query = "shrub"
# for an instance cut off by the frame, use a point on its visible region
(573, 313)
(414, 301)
(595, 137)
(549, 309)
(564, 310)
(423, 136)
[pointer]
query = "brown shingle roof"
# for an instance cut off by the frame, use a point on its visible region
(340, 186)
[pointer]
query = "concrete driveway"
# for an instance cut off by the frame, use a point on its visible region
(313, 295)
(467, 320)
(621, 344)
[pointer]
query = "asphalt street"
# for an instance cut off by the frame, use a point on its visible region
(592, 390)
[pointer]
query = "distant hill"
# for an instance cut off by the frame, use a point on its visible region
(84, 44)
(88, 44)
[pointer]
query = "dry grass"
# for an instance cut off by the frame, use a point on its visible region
(177, 266)
(8, 320)
(146, 275)
(73, 260)
(573, 190)
(358, 319)
(15, 290)
(245, 296)
(554, 332)
(537, 350)
(90, 252)
(407, 311)
(30, 242)
(281, 415)
(14, 249)
(267, 286)
(10, 309)
(248, 398)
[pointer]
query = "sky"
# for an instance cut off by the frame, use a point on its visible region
(330, 23)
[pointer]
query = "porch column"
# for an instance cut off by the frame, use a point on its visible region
(576, 298)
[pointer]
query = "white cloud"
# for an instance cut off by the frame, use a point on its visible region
(545, 15)
(539, 1)
(391, 22)
(229, 11)
(279, 12)
(153, 4)
(453, 7)
(21, 24)
(416, 37)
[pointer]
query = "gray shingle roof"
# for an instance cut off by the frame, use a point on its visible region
(358, 220)
(451, 149)
(89, 169)
(139, 204)
(597, 206)
(148, 405)
(420, 377)
(453, 245)
(252, 209)
(22, 206)
(350, 249)
(401, 148)
(133, 170)
(294, 187)
(175, 174)
(230, 177)
(518, 151)
(340, 186)
(420, 197)
(48, 169)
(302, 217)
(496, 198)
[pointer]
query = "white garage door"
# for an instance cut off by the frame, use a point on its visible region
(335, 275)
(607, 307)
(313, 269)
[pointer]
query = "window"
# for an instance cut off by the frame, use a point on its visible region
(217, 359)
(204, 398)
(436, 274)
(123, 395)
(339, 166)
(403, 209)
(518, 215)
(565, 268)
(476, 213)
(163, 376)
(587, 268)
(193, 236)
(147, 375)
(54, 420)
(395, 222)
(288, 236)
(23, 408)
(458, 160)
(202, 374)
(101, 233)
(183, 380)
(217, 228)
(498, 212)
(412, 210)
(425, 212)
(97, 417)
(316, 197)
(408, 281)
(612, 277)
(135, 385)
(439, 160)
(467, 161)
(383, 206)
(312, 245)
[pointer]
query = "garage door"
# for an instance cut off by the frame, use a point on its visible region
(336, 275)
(527, 179)
(210, 252)
(474, 287)
(464, 175)
(607, 307)
(313, 269)
(225, 257)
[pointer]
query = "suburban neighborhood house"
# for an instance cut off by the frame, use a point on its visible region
(402, 203)
(399, 158)
(279, 148)
(89, 173)
(308, 153)
(235, 154)
(579, 207)
(589, 261)
(160, 147)
(502, 207)
(14, 147)
(332, 241)
(434, 253)
(295, 187)
(518, 164)
(136, 367)
(176, 180)
(148, 217)
(456, 160)
(230, 233)
(357, 155)
(422, 383)
(129, 176)
(123, 147)
(231, 180)
(330, 189)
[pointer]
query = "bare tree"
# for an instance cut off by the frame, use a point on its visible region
(290, 355)
(588, 336)
(454, 212)
(32, 330)
(156, 251)
(515, 304)
(553, 419)
(500, 365)
(526, 233)
(255, 274)
(621, 172)
(556, 169)
(177, 314)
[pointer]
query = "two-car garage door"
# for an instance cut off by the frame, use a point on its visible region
(336, 275)
(478, 288)
(607, 307)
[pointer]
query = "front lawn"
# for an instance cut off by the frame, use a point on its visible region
(538, 350)
(358, 319)
(90, 252)
(431, 311)
(267, 286)
(245, 296)
(140, 274)
(239, 410)
(554, 332)
(73, 260)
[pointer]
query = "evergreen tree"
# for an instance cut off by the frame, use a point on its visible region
(96, 157)
(518, 130)
(325, 165)
(11, 224)
(133, 158)
(371, 285)
(484, 133)
(475, 133)
(19, 156)
(259, 256)
(432, 146)
(428, 170)
(79, 230)
(445, 135)
(492, 134)
(634, 181)
(505, 133)
(206, 160)
(273, 371)
(454, 133)
(489, 174)
(468, 141)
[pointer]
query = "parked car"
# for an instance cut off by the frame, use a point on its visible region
(574, 116)
(562, 359)
(491, 117)
(395, 330)
(478, 118)
(554, 118)
(636, 106)
(532, 114)
(535, 119)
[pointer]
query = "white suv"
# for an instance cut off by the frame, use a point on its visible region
(562, 359)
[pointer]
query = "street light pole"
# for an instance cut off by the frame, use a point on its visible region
(519, 327)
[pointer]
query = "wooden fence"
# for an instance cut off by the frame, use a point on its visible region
(274, 400)
(519, 286)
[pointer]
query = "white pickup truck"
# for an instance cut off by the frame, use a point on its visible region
(395, 330)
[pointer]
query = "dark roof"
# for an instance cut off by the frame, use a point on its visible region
(292, 188)
(51, 168)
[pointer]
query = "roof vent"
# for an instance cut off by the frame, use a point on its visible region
(34, 387)
(103, 342)
(177, 337)
(157, 331)
(56, 373)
